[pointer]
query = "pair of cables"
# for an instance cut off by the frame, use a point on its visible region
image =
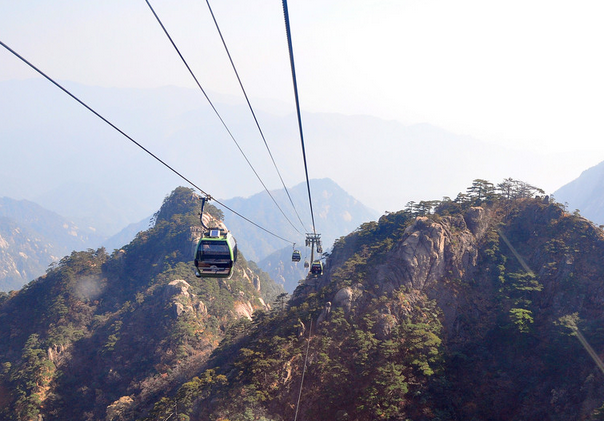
(218, 115)
(299, 116)
(58, 85)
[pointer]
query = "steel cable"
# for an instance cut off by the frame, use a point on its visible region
(134, 141)
(218, 114)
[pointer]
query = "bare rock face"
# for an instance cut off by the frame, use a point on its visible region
(176, 287)
(179, 309)
(476, 221)
(257, 283)
(324, 313)
(431, 252)
(201, 308)
(243, 309)
(177, 293)
(348, 296)
(343, 298)
(428, 251)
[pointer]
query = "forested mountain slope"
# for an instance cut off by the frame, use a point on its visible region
(101, 335)
(460, 309)
(448, 310)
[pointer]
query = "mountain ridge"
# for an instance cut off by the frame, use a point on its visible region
(97, 326)
(54, 142)
(465, 311)
(251, 241)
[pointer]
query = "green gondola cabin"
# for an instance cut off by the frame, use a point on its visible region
(215, 255)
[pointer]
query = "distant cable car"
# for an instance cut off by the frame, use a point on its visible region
(316, 268)
(306, 264)
(215, 255)
(296, 256)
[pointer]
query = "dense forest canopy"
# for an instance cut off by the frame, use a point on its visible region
(455, 309)
(491, 337)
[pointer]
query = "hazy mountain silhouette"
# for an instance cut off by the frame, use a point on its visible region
(54, 147)
(32, 237)
(336, 213)
(586, 193)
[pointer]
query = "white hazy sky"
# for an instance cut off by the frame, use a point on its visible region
(527, 74)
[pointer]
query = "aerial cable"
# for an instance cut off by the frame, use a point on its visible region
(218, 114)
(252, 111)
(134, 141)
(291, 60)
(303, 371)
(100, 116)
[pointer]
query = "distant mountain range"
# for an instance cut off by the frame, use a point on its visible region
(586, 194)
(337, 213)
(58, 154)
(32, 237)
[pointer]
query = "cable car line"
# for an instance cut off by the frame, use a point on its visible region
(303, 370)
(135, 142)
(253, 113)
(293, 67)
(100, 116)
(218, 115)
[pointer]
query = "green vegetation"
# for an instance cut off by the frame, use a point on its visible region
(105, 334)
(452, 309)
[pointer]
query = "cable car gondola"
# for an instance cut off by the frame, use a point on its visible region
(316, 268)
(215, 255)
(296, 256)
(216, 251)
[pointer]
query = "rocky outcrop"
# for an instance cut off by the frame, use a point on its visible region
(177, 293)
(177, 287)
(343, 298)
(429, 251)
(476, 221)
(243, 309)
(324, 313)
